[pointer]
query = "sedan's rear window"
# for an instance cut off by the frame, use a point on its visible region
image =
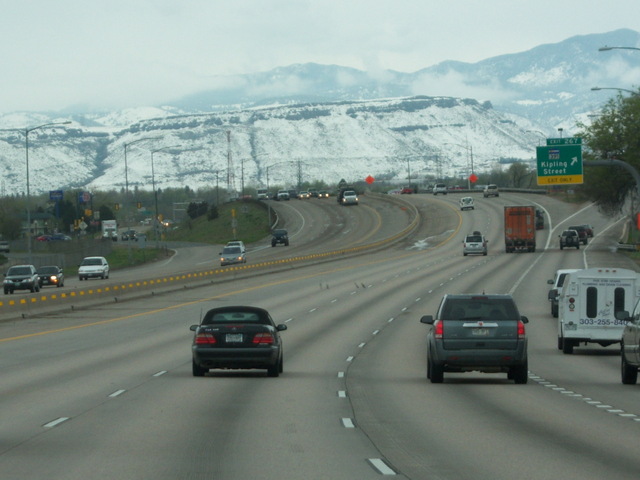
(233, 317)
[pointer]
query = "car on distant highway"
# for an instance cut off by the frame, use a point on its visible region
(556, 285)
(4, 246)
(303, 195)
(93, 267)
(21, 277)
(237, 243)
(589, 229)
(467, 203)
(323, 194)
(129, 235)
(440, 188)
(51, 275)
(237, 337)
(491, 191)
(569, 238)
(474, 244)
(582, 232)
(280, 235)
(350, 197)
(483, 333)
(232, 255)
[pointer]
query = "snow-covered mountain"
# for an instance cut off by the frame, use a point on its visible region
(437, 136)
(311, 122)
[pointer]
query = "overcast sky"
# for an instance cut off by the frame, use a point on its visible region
(115, 54)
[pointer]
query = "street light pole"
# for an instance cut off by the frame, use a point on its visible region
(126, 192)
(595, 89)
(26, 145)
(156, 223)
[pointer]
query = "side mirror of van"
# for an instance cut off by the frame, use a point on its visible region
(623, 315)
(524, 319)
(550, 282)
(553, 293)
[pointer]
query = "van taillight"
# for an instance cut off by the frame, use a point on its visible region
(521, 331)
(205, 339)
(438, 329)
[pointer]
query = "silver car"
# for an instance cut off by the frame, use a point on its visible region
(231, 255)
(474, 244)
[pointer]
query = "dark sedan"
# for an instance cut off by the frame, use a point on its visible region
(237, 337)
(51, 275)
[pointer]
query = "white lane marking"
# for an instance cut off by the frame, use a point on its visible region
(117, 393)
(589, 401)
(350, 358)
(160, 373)
(347, 423)
(381, 466)
(362, 345)
(55, 422)
(342, 394)
(340, 374)
(375, 332)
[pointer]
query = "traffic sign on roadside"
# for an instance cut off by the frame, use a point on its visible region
(560, 162)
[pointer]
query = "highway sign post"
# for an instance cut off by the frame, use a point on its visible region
(560, 162)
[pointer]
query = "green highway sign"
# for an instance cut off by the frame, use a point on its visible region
(560, 163)
(564, 141)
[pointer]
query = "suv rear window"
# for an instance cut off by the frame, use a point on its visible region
(479, 308)
(474, 239)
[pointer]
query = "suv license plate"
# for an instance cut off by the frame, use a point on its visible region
(480, 332)
(233, 338)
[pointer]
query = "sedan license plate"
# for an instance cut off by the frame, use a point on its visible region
(233, 338)
(479, 332)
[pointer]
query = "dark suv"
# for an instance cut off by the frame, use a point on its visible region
(582, 232)
(483, 333)
(280, 236)
(21, 277)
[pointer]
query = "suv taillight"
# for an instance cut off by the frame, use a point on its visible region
(438, 329)
(263, 339)
(205, 339)
(521, 331)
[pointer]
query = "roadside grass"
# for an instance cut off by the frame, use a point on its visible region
(246, 221)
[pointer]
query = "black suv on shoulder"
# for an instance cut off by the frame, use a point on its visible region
(483, 333)
(21, 277)
(280, 236)
(569, 238)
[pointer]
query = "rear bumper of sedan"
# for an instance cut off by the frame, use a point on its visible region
(242, 358)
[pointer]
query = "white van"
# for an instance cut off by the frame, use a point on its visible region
(588, 303)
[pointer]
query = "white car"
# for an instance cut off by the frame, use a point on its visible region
(237, 243)
(467, 203)
(350, 197)
(440, 188)
(93, 267)
(491, 191)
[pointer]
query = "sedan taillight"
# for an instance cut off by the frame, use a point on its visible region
(521, 331)
(438, 329)
(205, 339)
(263, 339)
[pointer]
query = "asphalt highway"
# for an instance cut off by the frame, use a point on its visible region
(105, 390)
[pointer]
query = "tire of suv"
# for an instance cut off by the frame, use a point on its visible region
(436, 372)
(628, 373)
(520, 373)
